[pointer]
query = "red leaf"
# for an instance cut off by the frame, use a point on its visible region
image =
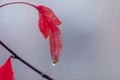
(46, 18)
(6, 71)
(44, 26)
(49, 14)
(55, 45)
(48, 23)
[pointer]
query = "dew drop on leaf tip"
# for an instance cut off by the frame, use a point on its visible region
(55, 61)
(53, 64)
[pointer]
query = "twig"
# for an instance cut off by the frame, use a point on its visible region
(26, 63)
(17, 3)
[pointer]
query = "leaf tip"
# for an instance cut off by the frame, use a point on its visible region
(55, 61)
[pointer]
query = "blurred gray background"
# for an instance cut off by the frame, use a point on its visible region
(91, 39)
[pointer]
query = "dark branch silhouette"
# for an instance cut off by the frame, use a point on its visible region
(26, 63)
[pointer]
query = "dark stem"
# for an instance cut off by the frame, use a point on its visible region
(17, 3)
(26, 63)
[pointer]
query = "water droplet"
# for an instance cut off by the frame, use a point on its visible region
(53, 64)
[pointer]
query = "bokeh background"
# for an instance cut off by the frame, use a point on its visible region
(91, 39)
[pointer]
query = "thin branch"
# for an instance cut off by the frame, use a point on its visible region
(17, 3)
(26, 63)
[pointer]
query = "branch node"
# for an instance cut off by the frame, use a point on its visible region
(14, 57)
